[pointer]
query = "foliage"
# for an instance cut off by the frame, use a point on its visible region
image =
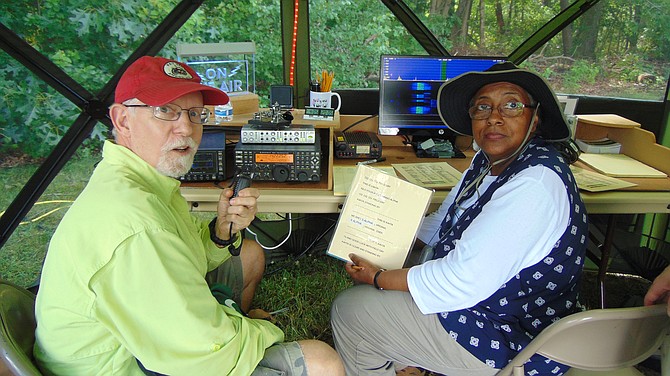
(90, 40)
(581, 73)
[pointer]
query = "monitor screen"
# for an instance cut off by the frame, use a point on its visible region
(408, 87)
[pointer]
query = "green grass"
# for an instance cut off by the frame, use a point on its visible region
(306, 288)
(22, 255)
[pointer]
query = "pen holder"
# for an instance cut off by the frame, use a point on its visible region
(324, 99)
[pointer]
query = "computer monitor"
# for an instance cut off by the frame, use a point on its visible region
(408, 87)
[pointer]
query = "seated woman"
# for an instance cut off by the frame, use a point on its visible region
(507, 245)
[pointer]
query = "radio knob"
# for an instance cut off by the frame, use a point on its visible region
(280, 173)
(316, 177)
(302, 176)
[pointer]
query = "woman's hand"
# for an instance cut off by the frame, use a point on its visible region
(361, 270)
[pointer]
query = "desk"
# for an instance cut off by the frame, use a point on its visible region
(303, 198)
(315, 198)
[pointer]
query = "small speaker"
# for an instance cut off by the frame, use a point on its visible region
(282, 94)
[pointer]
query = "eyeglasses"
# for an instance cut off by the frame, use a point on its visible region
(172, 112)
(509, 109)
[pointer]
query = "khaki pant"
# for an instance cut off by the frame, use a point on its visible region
(379, 332)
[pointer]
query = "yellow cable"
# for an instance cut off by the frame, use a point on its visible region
(42, 216)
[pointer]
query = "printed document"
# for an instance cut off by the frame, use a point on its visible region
(430, 175)
(595, 182)
(380, 218)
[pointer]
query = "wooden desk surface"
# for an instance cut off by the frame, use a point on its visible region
(650, 196)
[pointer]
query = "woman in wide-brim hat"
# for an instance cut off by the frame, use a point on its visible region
(506, 246)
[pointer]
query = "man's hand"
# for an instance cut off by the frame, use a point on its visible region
(658, 292)
(239, 211)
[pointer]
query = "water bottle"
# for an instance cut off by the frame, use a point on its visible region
(223, 113)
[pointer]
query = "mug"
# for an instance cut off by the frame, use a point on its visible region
(324, 99)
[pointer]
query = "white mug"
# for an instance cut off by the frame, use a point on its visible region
(324, 99)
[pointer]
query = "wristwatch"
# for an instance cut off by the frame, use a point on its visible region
(234, 244)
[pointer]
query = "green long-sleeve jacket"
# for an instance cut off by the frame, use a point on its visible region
(124, 279)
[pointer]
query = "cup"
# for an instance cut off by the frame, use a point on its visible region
(324, 99)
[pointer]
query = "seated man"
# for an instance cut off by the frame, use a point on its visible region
(123, 288)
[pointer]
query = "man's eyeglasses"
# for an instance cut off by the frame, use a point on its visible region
(172, 112)
(509, 109)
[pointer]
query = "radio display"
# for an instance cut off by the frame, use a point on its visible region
(274, 158)
(204, 162)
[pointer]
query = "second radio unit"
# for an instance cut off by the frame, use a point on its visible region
(280, 162)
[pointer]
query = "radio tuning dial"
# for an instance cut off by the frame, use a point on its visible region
(302, 176)
(280, 173)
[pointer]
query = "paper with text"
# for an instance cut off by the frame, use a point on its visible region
(344, 175)
(429, 175)
(595, 182)
(380, 218)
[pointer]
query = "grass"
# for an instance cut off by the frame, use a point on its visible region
(306, 288)
(22, 255)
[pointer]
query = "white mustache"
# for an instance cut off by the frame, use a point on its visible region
(179, 144)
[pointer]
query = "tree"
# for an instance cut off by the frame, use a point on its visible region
(586, 33)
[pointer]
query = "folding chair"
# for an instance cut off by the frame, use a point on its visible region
(17, 331)
(612, 339)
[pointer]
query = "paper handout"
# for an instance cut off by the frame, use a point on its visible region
(380, 218)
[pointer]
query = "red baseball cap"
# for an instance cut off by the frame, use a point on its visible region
(157, 81)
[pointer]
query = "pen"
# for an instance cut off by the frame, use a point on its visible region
(279, 311)
(381, 159)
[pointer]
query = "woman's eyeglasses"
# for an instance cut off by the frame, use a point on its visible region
(509, 109)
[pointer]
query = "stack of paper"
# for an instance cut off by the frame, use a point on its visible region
(600, 146)
(620, 166)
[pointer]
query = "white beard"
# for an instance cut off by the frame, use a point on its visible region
(176, 166)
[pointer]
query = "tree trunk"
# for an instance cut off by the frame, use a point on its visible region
(460, 32)
(566, 34)
(482, 29)
(441, 7)
(638, 25)
(586, 34)
(499, 18)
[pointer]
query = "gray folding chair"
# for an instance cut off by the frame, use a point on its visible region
(599, 340)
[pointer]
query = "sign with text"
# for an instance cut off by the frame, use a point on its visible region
(231, 76)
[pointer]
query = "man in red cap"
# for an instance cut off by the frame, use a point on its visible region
(123, 289)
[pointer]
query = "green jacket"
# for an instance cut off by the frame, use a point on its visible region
(124, 279)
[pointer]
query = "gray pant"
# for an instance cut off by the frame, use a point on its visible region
(280, 359)
(377, 332)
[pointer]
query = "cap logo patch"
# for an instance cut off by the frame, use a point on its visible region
(175, 70)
